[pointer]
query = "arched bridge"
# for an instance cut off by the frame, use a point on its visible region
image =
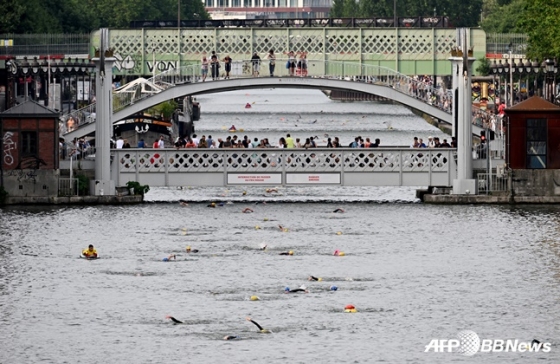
(419, 94)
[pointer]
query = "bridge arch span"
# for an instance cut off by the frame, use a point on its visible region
(199, 88)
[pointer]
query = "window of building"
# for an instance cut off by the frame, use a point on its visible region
(282, 3)
(236, 3)
(209, 3)
(536, 143)
(29, 143)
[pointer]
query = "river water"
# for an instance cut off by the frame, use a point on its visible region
(414, 272)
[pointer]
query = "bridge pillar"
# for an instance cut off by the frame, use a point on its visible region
(103, 184)
(462, 62)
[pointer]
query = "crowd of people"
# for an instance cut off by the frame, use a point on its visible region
(283, 142)
(296, 65)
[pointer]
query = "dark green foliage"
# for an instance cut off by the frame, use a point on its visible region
(85, 16)
(83, 185)
(137, 187)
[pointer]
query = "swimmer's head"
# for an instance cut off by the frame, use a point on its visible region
(291, 252)
(336, 252)
(255, 298)
(341, 254)
(165, 259)
(287, 289)
(263, 246)
(188, 248)
(334, 288)
(213, 204)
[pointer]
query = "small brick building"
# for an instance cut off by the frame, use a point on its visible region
(534, 135)
(30, 160)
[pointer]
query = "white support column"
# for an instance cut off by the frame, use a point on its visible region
(103, 184)
(463, 60)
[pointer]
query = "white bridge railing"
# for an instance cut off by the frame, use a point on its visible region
(343, 166)
(346, 71)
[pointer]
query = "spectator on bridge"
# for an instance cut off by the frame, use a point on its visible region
(298, 143)
(156, 143)
(421, 143)
(445, 144)
(291, 64)
(453, 142)
(302, 66)
(141, 144)
(272, 62)
(195, 139)
(204, 68)
(202, 143)
(161, 142)
(376, 144)
(120, 143)
(214, 65)
(431, 142)
(126, 144)
(190, 143)
(256, 62)
(227, 65)
(209, 141)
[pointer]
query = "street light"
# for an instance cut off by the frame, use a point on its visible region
(549, 79)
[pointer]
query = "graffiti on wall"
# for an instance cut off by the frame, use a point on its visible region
(26, 170)
(9, 145)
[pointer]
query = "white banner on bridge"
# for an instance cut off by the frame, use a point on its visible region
(313, 178)
(254, 179)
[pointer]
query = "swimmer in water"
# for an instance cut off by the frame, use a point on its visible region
(338, 210)
(312, 278)
(172, 256)
(270, 190)
(183, 203)
(261, 329)
(263, 246)
(247, 210)
(175, 321)
(283, 229)
(189, 250)
(232, 337)
(291, 252)
(300, 289)
(213, 204)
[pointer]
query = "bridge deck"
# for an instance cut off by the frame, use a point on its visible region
(317, 166)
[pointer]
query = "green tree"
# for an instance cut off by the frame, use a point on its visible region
(539, 20)
(503, 19)
(337, 9)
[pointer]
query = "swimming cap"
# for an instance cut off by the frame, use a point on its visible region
(188, 247)
(213, 204)
(255, 298)
(336, 252)
(291, 252)
(341, 254)
(349, 307)
(165, 259)
(334, 288)
(287, 289)
(221, 204)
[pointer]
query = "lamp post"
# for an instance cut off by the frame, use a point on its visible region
(510, 78)
(549, 79)
(395, 13)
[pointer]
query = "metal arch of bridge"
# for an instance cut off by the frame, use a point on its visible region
(281, 82)
(350, 76)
